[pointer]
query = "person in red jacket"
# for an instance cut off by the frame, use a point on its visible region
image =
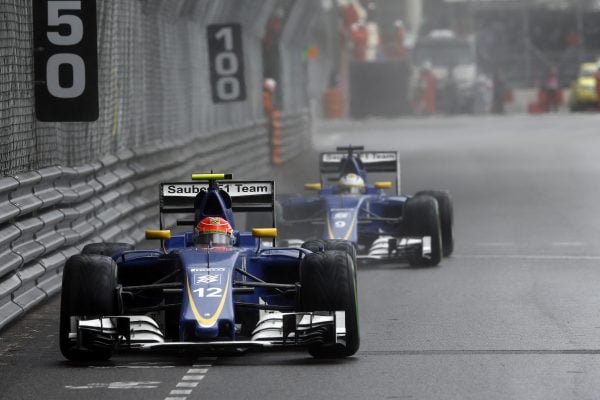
(359, 36)
(426, 103)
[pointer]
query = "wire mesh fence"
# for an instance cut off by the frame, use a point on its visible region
(153, 73)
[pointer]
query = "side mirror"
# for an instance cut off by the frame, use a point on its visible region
(312, 186)
(383, 185)
(158, 234)
(264, 232)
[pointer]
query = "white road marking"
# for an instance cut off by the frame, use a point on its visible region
(192, 377)
(117, 385)
(568, 244)
(190, 380)
(180, 391)
(197, 371)
(187, 384)
(129, 366)
(527, 257)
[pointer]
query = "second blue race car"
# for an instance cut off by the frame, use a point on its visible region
(416, 229)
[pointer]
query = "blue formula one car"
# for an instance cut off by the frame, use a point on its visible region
(209, 289)
(415, 229)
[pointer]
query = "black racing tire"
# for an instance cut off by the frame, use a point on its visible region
(446, 210)
(328, 283)
(88, 290)
(422, 218)
(317, 245)
(106, 249)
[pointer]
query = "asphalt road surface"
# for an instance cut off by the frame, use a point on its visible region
(514, 314)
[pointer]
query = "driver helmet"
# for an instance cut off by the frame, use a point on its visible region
(215, 231)
(351, 184)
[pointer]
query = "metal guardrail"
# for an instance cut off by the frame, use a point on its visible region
(294, 128)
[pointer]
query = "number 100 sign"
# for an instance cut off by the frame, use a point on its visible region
(226, 63)
(66, 60)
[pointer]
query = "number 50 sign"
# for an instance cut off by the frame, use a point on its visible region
(226, 62)
(66, 60)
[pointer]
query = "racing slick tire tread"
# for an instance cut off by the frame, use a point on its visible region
(446, 218)
(317, 245)
(422, 218)
(106, 249)
(88, 290)
(328, 284)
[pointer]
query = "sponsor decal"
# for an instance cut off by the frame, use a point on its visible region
(206, 269)
(365, 157)
(233, 189)
(341, 215)
(205, 279)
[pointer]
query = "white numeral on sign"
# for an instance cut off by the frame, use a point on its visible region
(228, 88)
(74, 22)
(65, 61)
(210, 292)
(227, 35)
(77, 70)
(227, 65)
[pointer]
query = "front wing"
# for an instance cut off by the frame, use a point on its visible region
(275, 329)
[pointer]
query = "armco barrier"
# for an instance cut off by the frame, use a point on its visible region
(294, 138)
(48, 215)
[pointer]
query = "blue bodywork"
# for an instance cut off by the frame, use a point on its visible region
(360, 218)
(207, 276)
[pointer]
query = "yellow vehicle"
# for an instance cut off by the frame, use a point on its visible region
(583, 90)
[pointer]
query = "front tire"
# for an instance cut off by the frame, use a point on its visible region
(422, 218)
(446, 210)
(88, 291)
(329, 284)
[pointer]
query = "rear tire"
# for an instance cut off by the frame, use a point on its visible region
(421, 218)
(88, 290)
(329, 284)
(446, 210)
(106, 249)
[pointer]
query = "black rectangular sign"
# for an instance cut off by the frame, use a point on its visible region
(226, 63)
(66, 60)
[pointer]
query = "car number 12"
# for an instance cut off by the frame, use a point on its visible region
(209, 292)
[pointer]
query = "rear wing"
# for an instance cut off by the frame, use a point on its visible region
(246, 196)
(372, 161)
